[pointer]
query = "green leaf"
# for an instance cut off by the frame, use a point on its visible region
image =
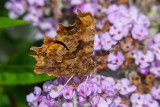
(7, 22)
(19, 71)
(14, 39)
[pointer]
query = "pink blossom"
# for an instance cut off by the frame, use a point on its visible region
(118, 31)
(140, 33)
(68, 92)
(156, 92)
(107, 41)
(140, 100)
(31, 97)
(84, 91)
(56, 92)
(144, 59)
(37, 91)
(125, 87)
(115, 61)
(142, 21)
(113, 13)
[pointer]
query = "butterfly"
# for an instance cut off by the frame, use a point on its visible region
(71, 51)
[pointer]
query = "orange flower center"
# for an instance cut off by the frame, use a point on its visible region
(132, 53)
(127, 47)
(119, 32)
(99, 43)
(158, 51)
(108, 42)
(139, 35)
(82, 92)
(67, 94)
(33, 15)
(125, 88)
(137, 103)
(142, 58)
(116, 61)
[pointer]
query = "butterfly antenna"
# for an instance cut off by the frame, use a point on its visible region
(85, 82)
(67, 81)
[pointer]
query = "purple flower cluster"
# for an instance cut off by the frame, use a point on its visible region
(128, 20)
(129, 23)
(38, 12)
(16, 7)
(148, 61)
(125, 87)
(123, 20)
(98, 91)
(46, 14)
(143, 100)
(155, 48)
(85, 7)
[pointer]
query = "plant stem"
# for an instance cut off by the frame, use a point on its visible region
(12, 101)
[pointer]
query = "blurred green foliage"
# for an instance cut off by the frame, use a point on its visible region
(19, 70)
(17, 78)
(7, 22)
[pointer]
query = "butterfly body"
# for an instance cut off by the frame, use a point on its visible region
(70, 52)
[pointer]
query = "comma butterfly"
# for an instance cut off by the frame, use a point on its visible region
(71, 51)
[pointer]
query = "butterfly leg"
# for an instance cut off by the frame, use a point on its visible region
(85, 82)
(67, 81)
